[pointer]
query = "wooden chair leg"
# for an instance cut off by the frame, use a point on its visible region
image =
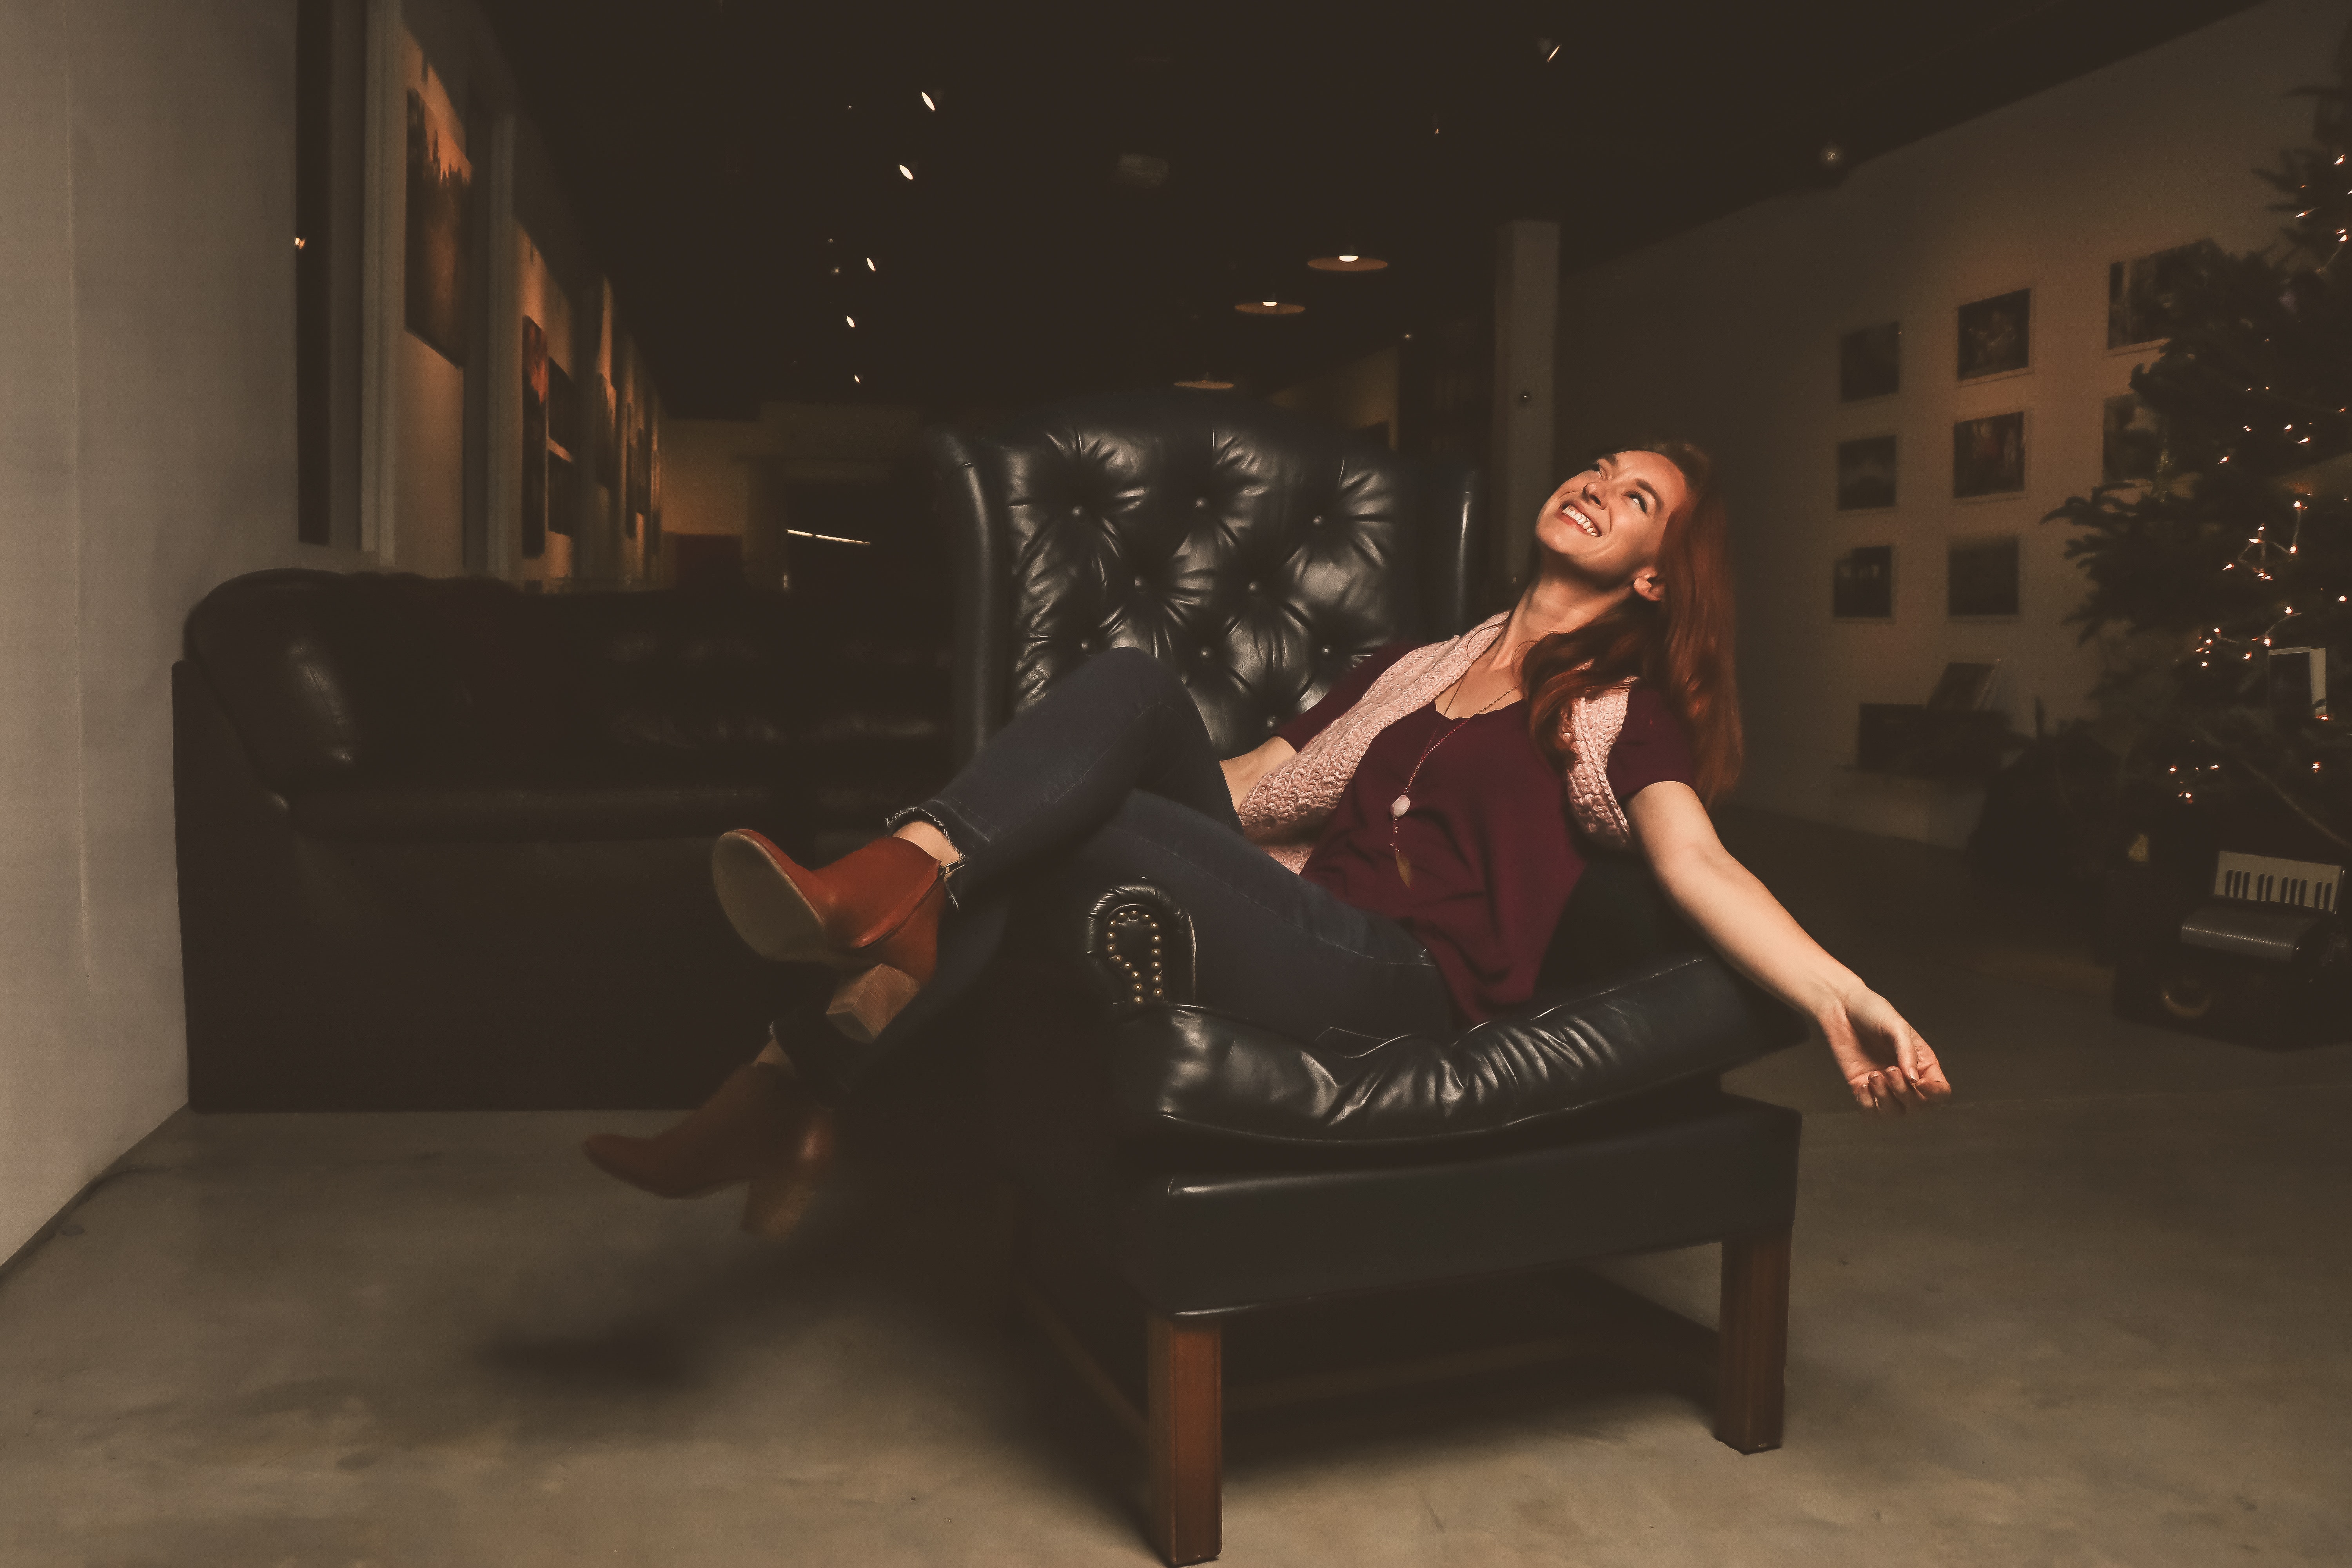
(1185, 1429)
(1753, 1343)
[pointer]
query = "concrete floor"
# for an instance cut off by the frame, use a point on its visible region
(2091, 1313)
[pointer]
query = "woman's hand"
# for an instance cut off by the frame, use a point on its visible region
(1887, 1064)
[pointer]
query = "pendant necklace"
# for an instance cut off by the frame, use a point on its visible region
(1403, 801)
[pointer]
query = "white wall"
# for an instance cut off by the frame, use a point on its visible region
(1730, 333)
(146, 453)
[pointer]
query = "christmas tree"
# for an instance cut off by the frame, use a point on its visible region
(2238, 540)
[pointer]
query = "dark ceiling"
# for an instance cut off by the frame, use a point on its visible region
(737, 162)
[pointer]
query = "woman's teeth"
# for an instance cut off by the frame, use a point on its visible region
(1580, 521)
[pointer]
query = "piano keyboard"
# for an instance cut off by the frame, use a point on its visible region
(2264, 879)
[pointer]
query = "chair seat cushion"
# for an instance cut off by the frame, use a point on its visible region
(1207, 1228)
(1193, 1071)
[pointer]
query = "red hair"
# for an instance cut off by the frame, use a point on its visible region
(1680, 645)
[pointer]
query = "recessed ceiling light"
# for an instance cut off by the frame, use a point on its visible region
(1348, 261)
(1269, 308)
(905, 171)
(927, 101)
(851, 320)
(870, 267)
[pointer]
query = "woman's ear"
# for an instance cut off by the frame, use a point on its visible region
(1650, 587)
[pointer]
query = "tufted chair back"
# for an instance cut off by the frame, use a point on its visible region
(1256, 552)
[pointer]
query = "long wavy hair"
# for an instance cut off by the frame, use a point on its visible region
(1680, 645)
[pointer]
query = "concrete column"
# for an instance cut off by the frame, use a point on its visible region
(1527, 313)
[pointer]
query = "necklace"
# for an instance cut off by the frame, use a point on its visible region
(1403, 801)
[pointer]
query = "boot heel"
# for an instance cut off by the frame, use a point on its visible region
(777, 1198)
(864, 1003)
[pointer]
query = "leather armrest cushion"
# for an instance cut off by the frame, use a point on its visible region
(1193, 1071)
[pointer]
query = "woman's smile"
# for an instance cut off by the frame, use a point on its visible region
(1568, 510)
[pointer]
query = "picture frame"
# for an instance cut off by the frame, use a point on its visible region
(2131, 440)
(2138, 291)
(1862, 584)
(1982, 577)
(1996, 335)
(1988, 456)
(436, 222)
(1870, 362)
(532, 534)
(1866, 473)
(1965, 686)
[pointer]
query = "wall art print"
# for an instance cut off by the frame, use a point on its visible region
(440, 205)
(1988, 456)
(2130, 440)
(1981, 580)
(1862, 584)
(641, 464)
(563, 408)
(606, 403)
(534, 532)
(562, 495)
(1865, 474)
(1997, 335)
(2141, 289)
(630, 509)
(1870, 362)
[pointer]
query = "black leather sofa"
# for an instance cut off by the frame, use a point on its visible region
(446, 845)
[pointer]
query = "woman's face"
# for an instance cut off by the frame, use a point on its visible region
(1605, 523)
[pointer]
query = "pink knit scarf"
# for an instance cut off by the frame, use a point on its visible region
(1285, 810)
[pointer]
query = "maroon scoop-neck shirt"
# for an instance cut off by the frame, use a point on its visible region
(1495, 855)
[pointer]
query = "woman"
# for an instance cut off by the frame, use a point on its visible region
(1392, 861)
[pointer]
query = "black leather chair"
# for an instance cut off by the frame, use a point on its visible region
(444, 845)
(1205, 1169)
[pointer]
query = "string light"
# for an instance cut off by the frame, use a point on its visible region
(927, 102)
(905, 173)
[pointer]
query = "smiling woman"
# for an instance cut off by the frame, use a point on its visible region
(1393, 862)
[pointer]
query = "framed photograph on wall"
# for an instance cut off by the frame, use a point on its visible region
(2141, 291)
(1862, 584)
(605, 403)
(1865, 474)
(1870, 362)
(2129, 440)
(1988, 456)
(439, 204)
(562, 408)
(534, 532)
(1997, 335)
(1980, 578)
(562, 495)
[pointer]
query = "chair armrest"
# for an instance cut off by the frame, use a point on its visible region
(1188, 1069)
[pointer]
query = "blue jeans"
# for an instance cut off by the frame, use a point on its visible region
(1114, 768)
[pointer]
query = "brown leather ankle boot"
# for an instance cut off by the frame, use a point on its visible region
(877, 905)
(763, 1127)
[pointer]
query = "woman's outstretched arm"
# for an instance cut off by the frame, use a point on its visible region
(1887, 1064)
